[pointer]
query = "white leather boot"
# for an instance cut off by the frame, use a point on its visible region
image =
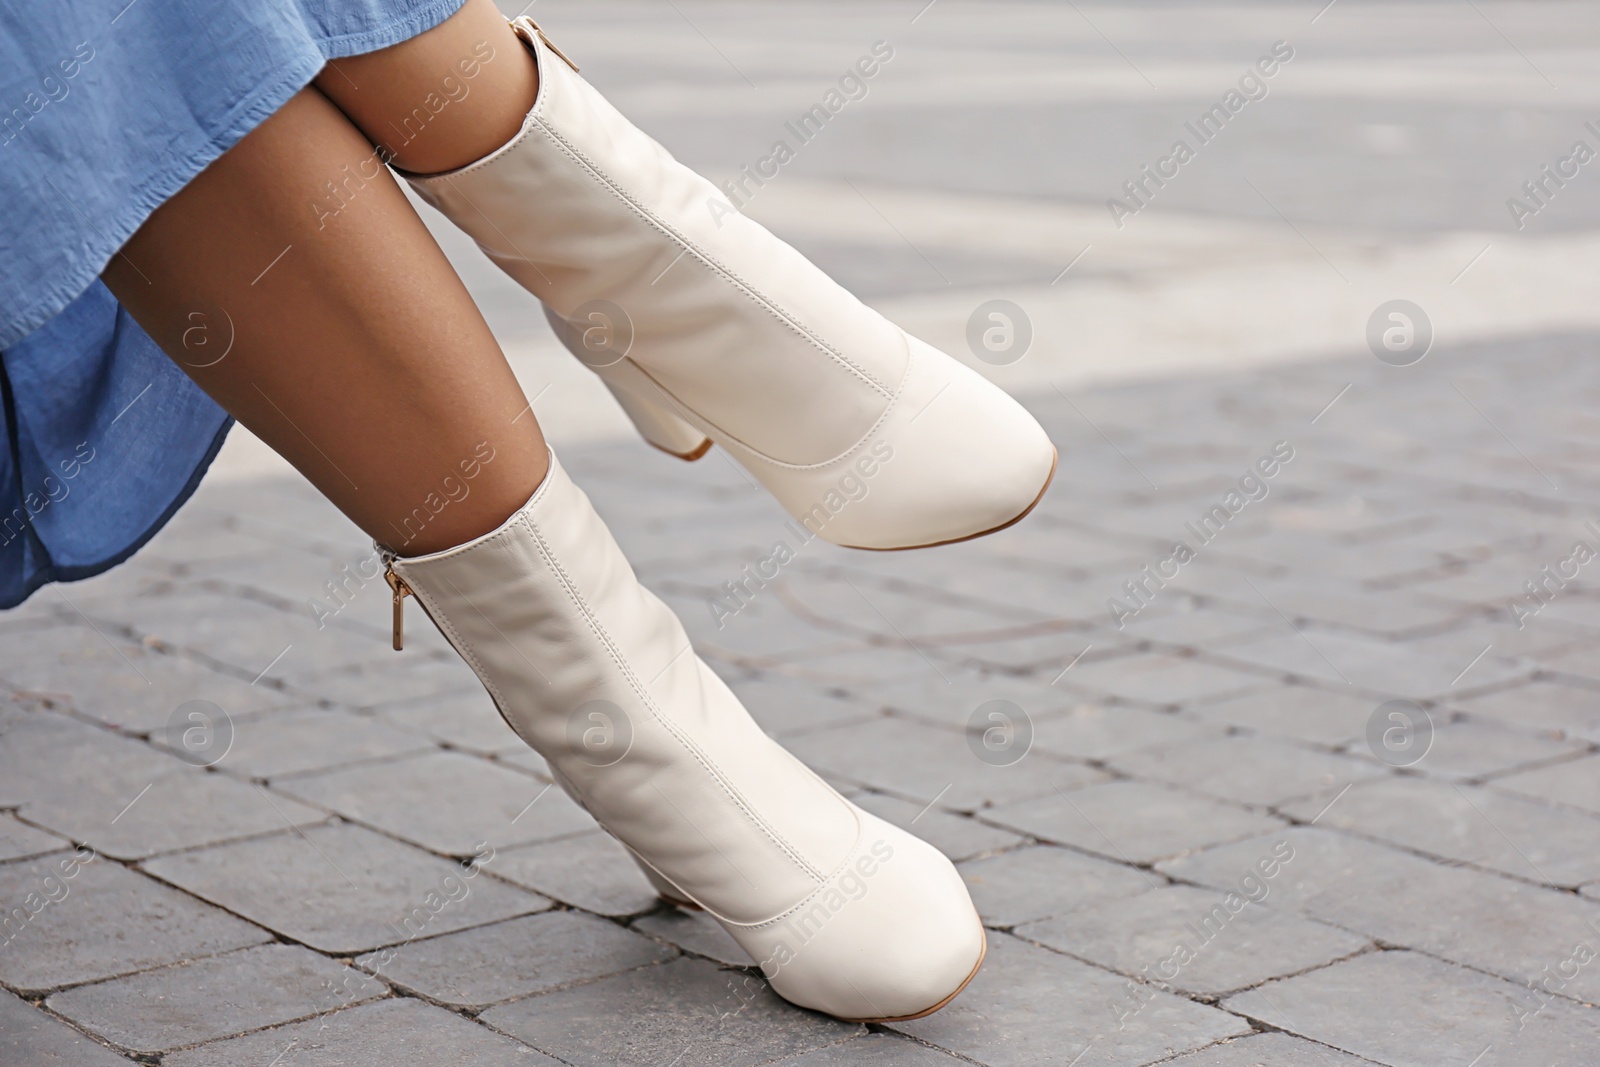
(706, 327)
(846, 914)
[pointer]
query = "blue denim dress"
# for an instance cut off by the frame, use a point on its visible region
(107, 108)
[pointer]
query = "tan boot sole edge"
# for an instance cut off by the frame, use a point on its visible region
(688, 905)
(1055, 460)
(982, 955)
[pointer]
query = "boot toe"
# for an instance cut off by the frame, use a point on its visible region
(892, 935)
(964, 459)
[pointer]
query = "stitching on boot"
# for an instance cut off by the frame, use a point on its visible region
(856, 851)
(535, 120)
(442, 620)
(756, 297)
(687, 743)
(756, 454)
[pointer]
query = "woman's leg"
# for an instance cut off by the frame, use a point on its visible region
(337, 332)
(352, 348)
(443, 98)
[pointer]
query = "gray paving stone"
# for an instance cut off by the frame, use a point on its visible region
(590, 871)
(526, 760)
(1069, 1009)
(213, 998)
(313, 739)
(1052, 657)
(1134, 822)
(688, 1011)
(1573, 662)
(1197, 940)
(1506, 653)
(343, 889)
(444, 801)
(694, 931)
(957, 836)
(374, 685)
(1407, 1010)
(1372, 664)
(1575, 783)
(981, 575)
(1164, 679)
(1581, 608)
(121, 682)
(859, 601)
(1564, 710)
(255, 635)
(1472, 917)
(1247, 770)
(19, 841)
(1470, 824)
(382, 1034)
(1268, 1050)
(1296, 712)
(1095, 731)
(18, 711)
(533, 954)
(1034, 883)
(466, 720)
(872, 1050)
(1387, 614)
(1202, 627)
(949, 700)
(918, 763)
(1467, 749)
(209, 534)
(783, 706)
(31, 1038)
(105, 920)
(847, 665)
(127, 799)
(290, 570)
(764, 630)
(1050, 542)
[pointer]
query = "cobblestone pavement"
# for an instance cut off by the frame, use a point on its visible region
(1319, 788)
(1410, 868)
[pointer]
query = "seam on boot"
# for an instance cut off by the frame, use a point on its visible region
(694, 750)
(464, 650)
(756, 297)
(730, 440)
(535, 120)
(856, 851)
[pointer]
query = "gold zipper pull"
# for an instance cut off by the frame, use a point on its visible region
(548, 43)
(401, 591)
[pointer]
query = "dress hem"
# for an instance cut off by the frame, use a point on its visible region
(79, 572)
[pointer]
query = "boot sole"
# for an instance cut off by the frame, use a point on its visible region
(982, 955)
(689, 905)
(1055, 461)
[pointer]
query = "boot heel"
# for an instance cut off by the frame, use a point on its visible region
(662, 428)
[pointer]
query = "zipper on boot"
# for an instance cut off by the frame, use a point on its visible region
(401, 590)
